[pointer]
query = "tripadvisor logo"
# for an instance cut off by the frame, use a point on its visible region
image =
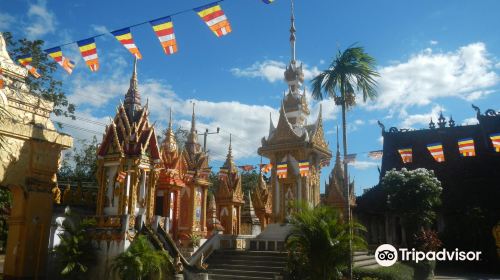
(387, 255)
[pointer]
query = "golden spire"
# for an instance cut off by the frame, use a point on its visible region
(169, 144)
(229, 164)
(132, 101)
(292, 32)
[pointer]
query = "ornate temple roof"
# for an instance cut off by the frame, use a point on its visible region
(262, 196)
(170, 175)
(130, 133)
(335, 194)
(230, 187)
(248, 212)
(193, 155)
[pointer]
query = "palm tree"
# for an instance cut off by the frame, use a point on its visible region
(351, 71)
(142, 261)
(319, 242)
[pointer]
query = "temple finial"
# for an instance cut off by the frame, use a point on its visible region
(193, 120)
(132, 101)
(170, 119)
(292, 31)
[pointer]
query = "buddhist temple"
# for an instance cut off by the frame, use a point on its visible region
(295, 147)
(128, 161)
(229, 196)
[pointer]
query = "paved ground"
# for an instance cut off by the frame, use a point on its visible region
(466, 276)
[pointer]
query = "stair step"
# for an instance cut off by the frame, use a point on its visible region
(246, 262)
(252, 273)
(365, 263)
(230, 277)
(251, 253)
(363, 257)
(246, 267)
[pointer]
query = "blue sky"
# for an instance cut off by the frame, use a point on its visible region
(432, 55)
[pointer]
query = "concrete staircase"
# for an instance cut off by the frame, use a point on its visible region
(245, 265)
(364, 260)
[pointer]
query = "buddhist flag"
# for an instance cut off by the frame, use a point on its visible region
(88, 50)
(495, 141)
(304, 168)
(25, 60)
(266, 167)
(268, 1)
(214, 17)
(350, 158)
(466, 147)
(406, 155)
(120, 178)
(247, 167)
(56, 54)
(164, 29)
(2, 83)
(436, 150)
(324, 162)
(376, 154)
(282, 170)
(124, 36)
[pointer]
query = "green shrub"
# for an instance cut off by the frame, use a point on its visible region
(398, 271)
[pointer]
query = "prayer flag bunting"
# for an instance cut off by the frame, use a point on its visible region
(282, 170)
(88, 50)
(214, 17)
(247, 167)
(57, 55)
(350, 158)
(268, 1)
(324, 162)
(266, 167)
(466, 147)
(495, 141)
(406, 155)
(375, 154)
(121, 177)
(304, 168)
(124, 36)
(164, 29)
(25, 61)
(436, 150)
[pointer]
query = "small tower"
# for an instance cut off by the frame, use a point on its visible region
(335, 193)
(193, 198)
(213, 224)
(262, 201)
(250, 223)
(229, 196)
(293, 142)
(128, 161)
(170, 182)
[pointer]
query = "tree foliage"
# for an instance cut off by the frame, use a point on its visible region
(142, 261)
(76, 253)
(318, 247)
(414, 195)
(350, 71)
(80, 165)
(46, 86)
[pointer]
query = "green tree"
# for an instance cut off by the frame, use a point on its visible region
(351, 71)
(318, 247)
(76, 253)
(414, 195)
(46, 86)
(249, 179)
(81, 164)
(142, 261)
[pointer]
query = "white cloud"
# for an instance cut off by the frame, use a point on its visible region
(271, 70)
(5, 21)
(359, 122)
(363, 165)
(433, 42)
(465, 73)
(42, 21)
(479, 94)
(421, 119)
(470, 121)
